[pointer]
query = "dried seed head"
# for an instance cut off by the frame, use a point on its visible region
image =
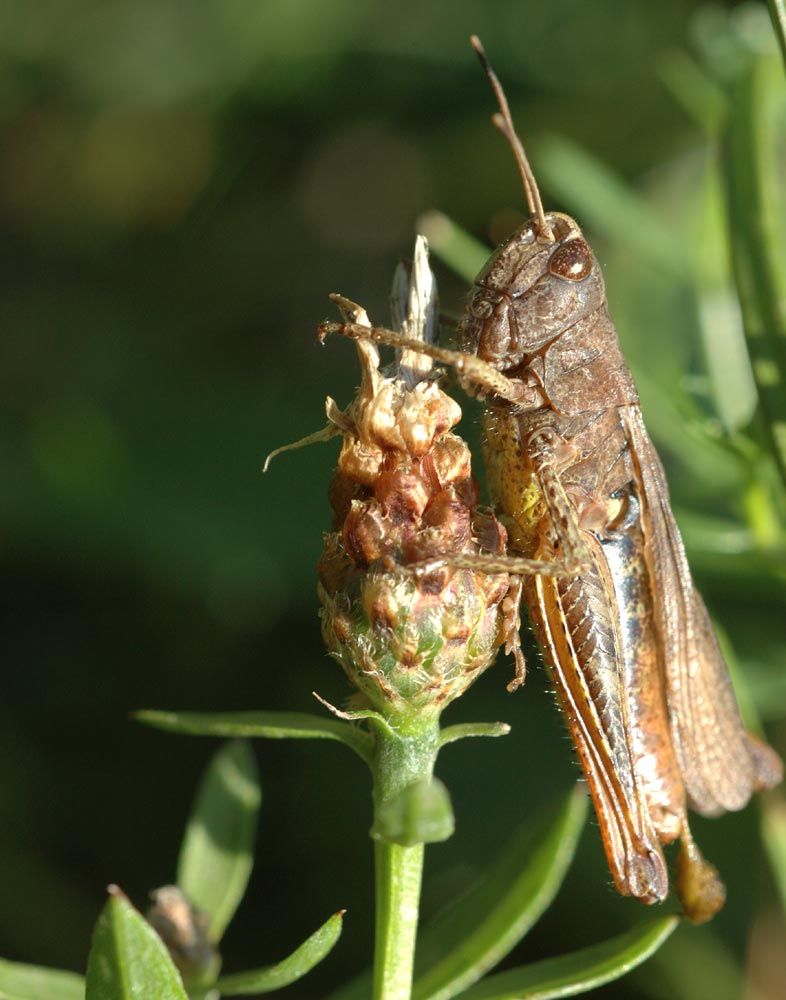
(403, 495)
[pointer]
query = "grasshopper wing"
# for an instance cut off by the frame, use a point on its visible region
(721, 764)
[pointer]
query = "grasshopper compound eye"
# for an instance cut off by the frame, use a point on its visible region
(573, 260)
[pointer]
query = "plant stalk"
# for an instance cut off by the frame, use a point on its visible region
(400, 761)
(399, 873)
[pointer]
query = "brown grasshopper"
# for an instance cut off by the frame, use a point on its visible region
(601, 565)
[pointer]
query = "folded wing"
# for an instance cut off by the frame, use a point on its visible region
(721, 764)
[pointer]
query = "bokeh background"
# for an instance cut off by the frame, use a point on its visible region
(182, 185)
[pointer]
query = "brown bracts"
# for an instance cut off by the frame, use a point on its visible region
(404, 494)
(574, 476)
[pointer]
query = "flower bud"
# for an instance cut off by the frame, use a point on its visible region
(411, 629)
(183, 929)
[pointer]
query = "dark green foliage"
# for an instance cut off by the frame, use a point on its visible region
(181, 189)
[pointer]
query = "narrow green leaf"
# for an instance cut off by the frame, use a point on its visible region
(778, 15)
(217, 853)
(465, 729)
(726, 355)
(756, 208)
(301, 961)
(32, 982)
(453, 245)
(579, 971)
(477, 932)
(609, 205)
(128, 960)
(772, 807)
(773, 831)
(694, 88)
(697, 964)
(269, 725)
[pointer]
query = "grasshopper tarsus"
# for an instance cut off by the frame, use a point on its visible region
(520, 674)
(699, 886)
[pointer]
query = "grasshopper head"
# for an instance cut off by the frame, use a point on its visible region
(543, 280)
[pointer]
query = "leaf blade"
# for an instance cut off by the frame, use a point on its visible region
(473, 936)
(464, 730)
(294, 967)
(267, 725)
(773, 832)
(579, 971)
(607, 204)
(755, 208)
(19, 981)
(217, 853)
(454, 246)
(128, 959)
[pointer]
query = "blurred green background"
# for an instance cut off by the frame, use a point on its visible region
(181, 186)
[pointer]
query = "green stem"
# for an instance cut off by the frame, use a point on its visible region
(398, 879)
(400, 761)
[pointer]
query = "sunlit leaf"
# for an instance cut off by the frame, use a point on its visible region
(778, 15)
(267, 725)
(476, 933)
(32, 982)
(464, 729)
(217, 854)
(773, 828)
(699, 963)
(295, 966)
(756, 213)
(694, 88)
(453, 245)
(579, 971)
(726, 356)
(607, 204)
(128, 960)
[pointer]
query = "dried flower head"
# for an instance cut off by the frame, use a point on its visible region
(411, 629)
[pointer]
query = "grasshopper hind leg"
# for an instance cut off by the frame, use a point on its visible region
(699, 886)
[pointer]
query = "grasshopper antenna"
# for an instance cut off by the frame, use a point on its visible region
(504, 123)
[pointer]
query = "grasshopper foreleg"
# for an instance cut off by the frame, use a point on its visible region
(469, 367)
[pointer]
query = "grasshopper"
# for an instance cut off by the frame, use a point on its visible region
(600, 562)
